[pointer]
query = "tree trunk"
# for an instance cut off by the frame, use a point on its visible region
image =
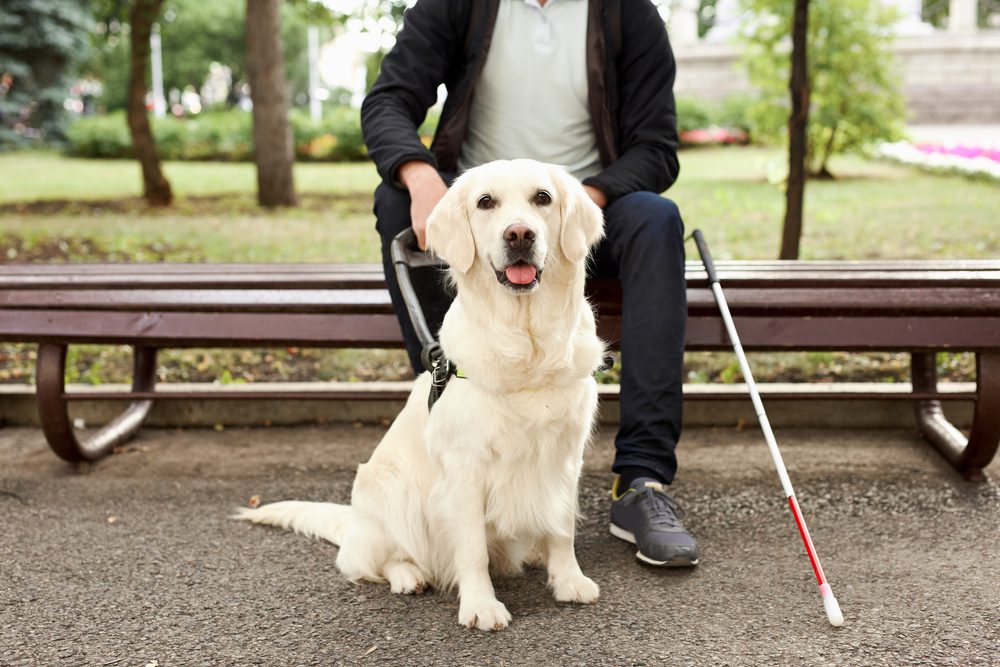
(798, 123)
(156, 188)
(272, 136)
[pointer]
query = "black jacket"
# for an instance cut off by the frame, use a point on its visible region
(630, 73)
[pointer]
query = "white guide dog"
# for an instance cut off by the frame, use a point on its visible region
(487, 479)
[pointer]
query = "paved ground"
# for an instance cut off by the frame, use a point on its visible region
(133, 560)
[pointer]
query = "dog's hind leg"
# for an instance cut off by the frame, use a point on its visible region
(364, 552)
(404, 577)
(370, 554)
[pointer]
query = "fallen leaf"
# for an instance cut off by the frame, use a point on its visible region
(370, 651)
(112, 519)
(254, 502)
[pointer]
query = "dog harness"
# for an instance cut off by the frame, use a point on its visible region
(442, 369)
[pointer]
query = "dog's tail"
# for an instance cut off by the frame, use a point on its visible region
(326, 521)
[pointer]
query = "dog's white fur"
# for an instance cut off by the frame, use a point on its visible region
(488, 479)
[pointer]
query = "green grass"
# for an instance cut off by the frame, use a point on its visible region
(32, 176)
(54, 208)
(874, 210)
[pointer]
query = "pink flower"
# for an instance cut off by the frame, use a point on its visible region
(968, 152)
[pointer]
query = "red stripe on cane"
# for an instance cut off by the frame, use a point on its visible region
(807, 540)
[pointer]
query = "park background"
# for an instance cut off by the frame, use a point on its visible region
(903, 153)
(133, 561)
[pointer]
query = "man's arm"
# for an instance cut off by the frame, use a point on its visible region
(426, 190)
(426, 47)
(647, 116)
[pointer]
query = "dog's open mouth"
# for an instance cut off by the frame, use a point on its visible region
(519, 276)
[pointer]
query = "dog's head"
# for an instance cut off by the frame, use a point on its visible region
(513, 218)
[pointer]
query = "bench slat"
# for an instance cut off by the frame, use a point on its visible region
(131, 269)
(758, 332)
(756, 280)
(788, 301)
(369, 276)
(216, 300)
(202, 329)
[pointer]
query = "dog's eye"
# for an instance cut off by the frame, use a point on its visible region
(542, 198)
(486, 202)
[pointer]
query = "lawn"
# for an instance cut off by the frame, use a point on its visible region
(872, 210)
(54, 208)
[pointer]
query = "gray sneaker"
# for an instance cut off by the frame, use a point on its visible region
(649, 518)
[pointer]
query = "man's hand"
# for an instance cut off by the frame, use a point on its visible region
(426, 189)
(599, 197)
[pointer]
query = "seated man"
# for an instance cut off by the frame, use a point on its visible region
(586, 84)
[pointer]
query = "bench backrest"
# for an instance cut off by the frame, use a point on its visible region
(778, 305)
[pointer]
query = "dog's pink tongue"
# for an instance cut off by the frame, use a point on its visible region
(521, 274)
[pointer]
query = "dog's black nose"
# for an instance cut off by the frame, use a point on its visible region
(519, 237)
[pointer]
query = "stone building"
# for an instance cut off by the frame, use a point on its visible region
(950, 74)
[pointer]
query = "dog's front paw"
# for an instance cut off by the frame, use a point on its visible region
(576, 588)
(483, 614)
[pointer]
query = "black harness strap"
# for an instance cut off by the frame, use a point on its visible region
(443, 370)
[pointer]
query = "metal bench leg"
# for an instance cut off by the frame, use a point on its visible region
(967, 455)
(53, 409)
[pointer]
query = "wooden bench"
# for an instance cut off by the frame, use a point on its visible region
(916, 307)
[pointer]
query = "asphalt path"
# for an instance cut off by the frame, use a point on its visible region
(133, 561)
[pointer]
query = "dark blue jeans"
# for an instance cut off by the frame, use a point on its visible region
(644, 248)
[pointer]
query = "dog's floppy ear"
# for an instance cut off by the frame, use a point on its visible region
(449, 233)
(582, 219)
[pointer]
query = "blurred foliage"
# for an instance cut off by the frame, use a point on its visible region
(936, 12)
(706, 16)
(227, 136)
(40, 41)
(854, 95)
(732, 112)
(693, 114)
(195, 34)
(221, 135)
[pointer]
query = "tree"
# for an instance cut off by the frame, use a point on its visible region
(798, 122)
(156, 188)
(272, 135)
(40, 42)
(854, 97)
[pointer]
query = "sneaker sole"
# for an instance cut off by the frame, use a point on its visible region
(623, 534)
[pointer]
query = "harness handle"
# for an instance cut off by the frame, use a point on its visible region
(406, 255)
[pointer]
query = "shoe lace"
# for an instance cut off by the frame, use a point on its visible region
(663, 508)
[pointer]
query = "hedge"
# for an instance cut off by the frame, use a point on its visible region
(220, 135)
(227, 135)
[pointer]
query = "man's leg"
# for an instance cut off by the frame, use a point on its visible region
(644, 247)
(392, 215)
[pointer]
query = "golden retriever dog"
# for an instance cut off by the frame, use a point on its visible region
(487, 479)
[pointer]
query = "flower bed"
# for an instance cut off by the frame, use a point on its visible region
(714, 136)
(947, 158)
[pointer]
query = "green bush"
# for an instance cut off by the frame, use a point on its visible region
(334, 138)
(221, 135)
(734, 112)
(692, 114)
(99, 137)
(731, 114)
